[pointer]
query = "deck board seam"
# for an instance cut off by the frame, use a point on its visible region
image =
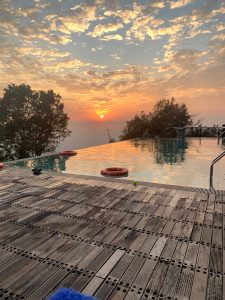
(18, 250)
(71, 216)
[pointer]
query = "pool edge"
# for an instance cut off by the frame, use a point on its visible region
(129, 181)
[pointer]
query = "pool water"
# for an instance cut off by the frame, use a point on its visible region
(168, 161)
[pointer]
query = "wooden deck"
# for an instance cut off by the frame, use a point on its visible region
(108, 238)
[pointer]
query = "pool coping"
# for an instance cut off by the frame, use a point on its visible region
(129, 181)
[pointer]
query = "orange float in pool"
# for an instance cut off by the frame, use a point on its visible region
(114, 171)
(68, 153)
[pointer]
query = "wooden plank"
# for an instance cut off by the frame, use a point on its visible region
(125, 238)
(158, 246)
(6, 257)
(92, 286)
(169, 249)
(191, 255)
(12, 266)
(105, 290)
(80, 252)
(132, 270)
(184, 284)
(214, 287)
(16, 274)
(216, 260)
(145, 273)
(138, 242)
(148, 244)
(180, 251)
(31, 280)
(199, 287)
(88, 259)
(121, 267)
(110, 263)
(170, 281)
(107, 234)
(49, 246)
(100, 260)
(119, 293)
(82, 281)
(155, 283)
(133, 294)
(48, 285)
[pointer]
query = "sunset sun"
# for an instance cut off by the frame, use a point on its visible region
(101, 116)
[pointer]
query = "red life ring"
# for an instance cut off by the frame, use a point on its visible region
(68, 153)
(115, 171)
(1, 165)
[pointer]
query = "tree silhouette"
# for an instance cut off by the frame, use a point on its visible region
(166, 115)
(31, 122)
(136, 127)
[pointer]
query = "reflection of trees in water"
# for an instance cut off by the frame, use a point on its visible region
(165, 151)
(170, 151)
(144, 145)
(55, 163)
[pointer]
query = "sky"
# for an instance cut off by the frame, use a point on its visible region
(113, 58)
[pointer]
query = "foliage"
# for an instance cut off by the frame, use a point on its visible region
(136, 127)
(203, 131)
(166, 115)
(31, 122)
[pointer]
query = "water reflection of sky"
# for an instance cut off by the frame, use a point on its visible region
(167, 161)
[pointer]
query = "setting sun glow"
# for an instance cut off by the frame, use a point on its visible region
(101, 116)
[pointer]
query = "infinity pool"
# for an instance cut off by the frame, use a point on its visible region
(167, 161)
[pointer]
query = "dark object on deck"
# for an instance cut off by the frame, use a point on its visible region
(1, 165)
(36, 171)
(69, 294)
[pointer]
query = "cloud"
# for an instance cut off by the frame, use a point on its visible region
(220, 36)
(220, 26)
(116, 56)
(126, 15)
(186, 61)
(76, 19)
(179, 3)
(101, 29)
(158, 33)
(146, 26)
(117, 37)
(209, 9)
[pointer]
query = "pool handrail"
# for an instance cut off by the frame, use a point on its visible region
(212, 166)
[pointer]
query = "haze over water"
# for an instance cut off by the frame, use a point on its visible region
(86, 134)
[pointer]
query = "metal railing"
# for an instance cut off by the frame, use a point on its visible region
(221, 136)
(212, 166)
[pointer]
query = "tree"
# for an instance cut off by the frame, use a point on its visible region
(166, 115)
(136, 127)
(31, 122)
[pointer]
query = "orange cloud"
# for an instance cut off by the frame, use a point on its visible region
(100, 29)
(180, 3)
